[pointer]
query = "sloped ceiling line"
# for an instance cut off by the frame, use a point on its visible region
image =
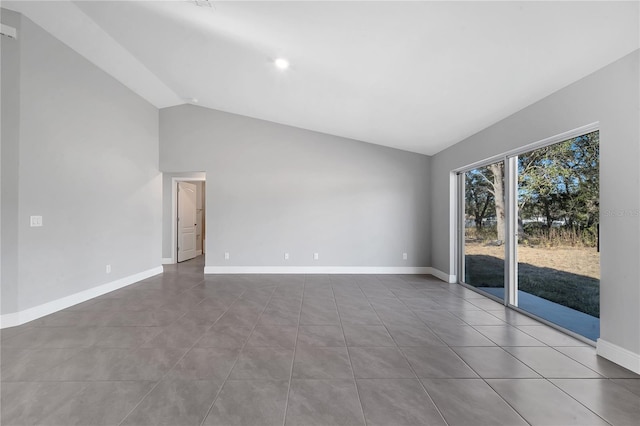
(418, 76)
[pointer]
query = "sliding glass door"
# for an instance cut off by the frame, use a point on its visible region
(484, 228)
(558, 214)
(531, 230)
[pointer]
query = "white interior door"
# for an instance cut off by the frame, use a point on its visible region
(186, 221)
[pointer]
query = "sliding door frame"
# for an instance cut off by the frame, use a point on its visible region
(510, 159)
(460, 227)
(461, 224)
(511, 233)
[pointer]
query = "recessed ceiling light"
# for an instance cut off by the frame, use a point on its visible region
(194, 100)
(281, 63)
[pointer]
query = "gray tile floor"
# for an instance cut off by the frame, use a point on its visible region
(187, 349)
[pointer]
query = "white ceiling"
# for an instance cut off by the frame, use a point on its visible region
(418, 76)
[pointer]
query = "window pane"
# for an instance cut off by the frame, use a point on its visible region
(485, 228)
(558, 216)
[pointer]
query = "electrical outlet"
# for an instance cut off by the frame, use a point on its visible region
(315, 256)
(286, 256)
(36, 221)
(108, 269)
(404, 256)
(226, 255)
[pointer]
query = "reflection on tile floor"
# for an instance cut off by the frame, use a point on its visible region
(183, 348)
(567, 318)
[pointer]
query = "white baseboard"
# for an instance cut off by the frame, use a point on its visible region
(317, 270)
(619, 355)
(198, 252)
(451, 279)
(167, 261)
(30, 314)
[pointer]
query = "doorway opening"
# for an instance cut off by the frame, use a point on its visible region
(530, 237)
(188, 217)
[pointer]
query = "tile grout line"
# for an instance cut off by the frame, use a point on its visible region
(93, 345)
(571, 396)
(178, 361)
(482, 378)
(295, 348)
(82, 349)
(469, 366)
(555, 348)
(506, 402)
(404, 356)
(547, 379)
(204, 419)
(86, 383)
(485, 380)
(353, 372)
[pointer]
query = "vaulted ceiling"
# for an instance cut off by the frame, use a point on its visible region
(418, 76)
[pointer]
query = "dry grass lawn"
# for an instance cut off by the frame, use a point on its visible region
(569, 276)
(575, 260)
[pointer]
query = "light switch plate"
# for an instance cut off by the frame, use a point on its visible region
(8, 31)
(36, 221)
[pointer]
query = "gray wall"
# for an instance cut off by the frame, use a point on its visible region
(88, 151)
(10, 84)
(610, 96)
(273, 189)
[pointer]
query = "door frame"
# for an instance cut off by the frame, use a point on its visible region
(460, 225)
(510, 159)
(174, 213)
